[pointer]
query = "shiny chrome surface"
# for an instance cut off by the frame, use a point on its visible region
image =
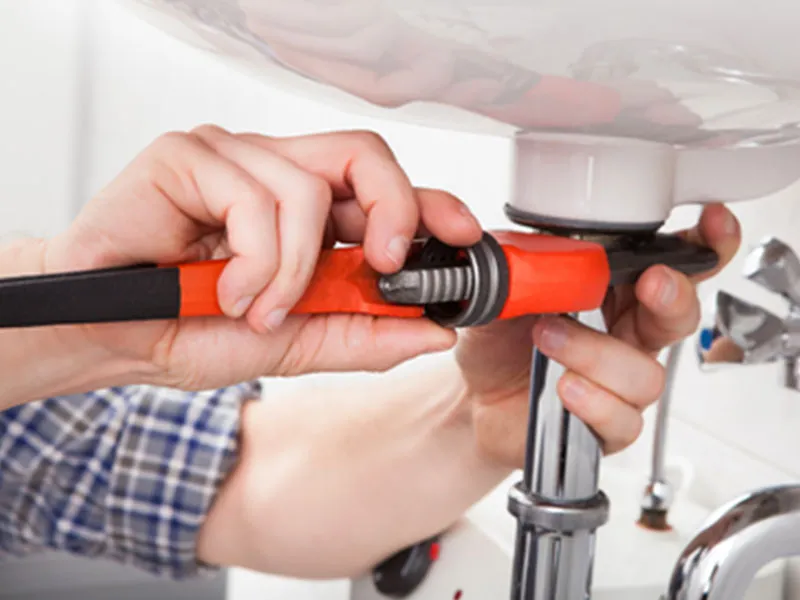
(774, 266)
(658, 493)
(708, 73)
(562, 465)
(740, 539)
(743, 333)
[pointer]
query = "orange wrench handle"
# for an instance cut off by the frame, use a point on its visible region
(552, 275)
(343, 282)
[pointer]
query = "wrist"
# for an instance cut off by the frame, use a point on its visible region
(362, 474)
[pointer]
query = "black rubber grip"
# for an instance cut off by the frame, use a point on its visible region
(139, 293)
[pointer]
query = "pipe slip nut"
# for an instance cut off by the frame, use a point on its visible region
(459, 287)
(564, 516)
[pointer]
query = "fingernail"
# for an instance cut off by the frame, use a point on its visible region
(731, 225)
(397, 249)
(574, 388)
(553, 335)
(466, 212)
(668, 289)
(241, 306)
(275, 319)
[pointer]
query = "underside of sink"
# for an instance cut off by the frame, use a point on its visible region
(693, 72)
(619, 110)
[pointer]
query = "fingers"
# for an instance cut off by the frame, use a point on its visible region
(442, 216)
(608, 383)
(274, 199)
(616, 423)
(302, 203)
(359, 342)
(667, 308)
(211, 189)
(360, 165)
(668, 311)
(608, 362)
(447, 218)
(719, 230)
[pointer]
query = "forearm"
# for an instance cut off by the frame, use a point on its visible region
(330, 481)
(126, 474)
(43, 362)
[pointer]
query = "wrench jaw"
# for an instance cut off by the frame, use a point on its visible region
(504, 276)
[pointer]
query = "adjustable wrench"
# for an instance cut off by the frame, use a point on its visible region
(507, 274)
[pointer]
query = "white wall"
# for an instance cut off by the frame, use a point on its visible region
(43, 101)
(140, 83)
(40, 91)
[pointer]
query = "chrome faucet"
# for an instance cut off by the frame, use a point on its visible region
(739, 540)
(747, 334)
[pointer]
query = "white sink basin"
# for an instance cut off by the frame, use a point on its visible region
(621, 109)
(687, 72)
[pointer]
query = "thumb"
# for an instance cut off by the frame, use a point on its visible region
(362, 343)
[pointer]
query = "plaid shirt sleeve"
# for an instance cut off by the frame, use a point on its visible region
(126, 474)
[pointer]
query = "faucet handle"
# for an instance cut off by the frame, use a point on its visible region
(775, 266)
(742, 333)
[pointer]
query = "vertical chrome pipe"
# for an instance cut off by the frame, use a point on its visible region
(657, 498)
(558, 504)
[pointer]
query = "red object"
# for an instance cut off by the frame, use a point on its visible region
(342, 283)
(547, 274)
(434, 552)
(457, 595)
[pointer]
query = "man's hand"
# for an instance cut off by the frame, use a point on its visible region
(611, 378)
(401, 458)
(270, 205)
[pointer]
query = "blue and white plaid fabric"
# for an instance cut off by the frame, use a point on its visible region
(127, 474)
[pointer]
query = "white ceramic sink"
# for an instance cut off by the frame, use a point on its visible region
(622, 109)
(662, 70)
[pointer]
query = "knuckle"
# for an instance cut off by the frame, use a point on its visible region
(657, 382)
(371, 141)
(172, 142)
(257, 194)
(650, 384)
(602, 417)
(209, 131)
(288, 281)
(632, 432)
(694, 320)
(318, 192)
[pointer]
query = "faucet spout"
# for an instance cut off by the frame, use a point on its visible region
(739, 540)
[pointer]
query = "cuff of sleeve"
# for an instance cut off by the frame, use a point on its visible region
(174, 454)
